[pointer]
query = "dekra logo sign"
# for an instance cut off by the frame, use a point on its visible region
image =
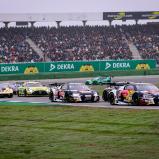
(62, 67)
(117, 65)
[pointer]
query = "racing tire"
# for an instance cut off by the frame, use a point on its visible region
(66, 100)
(25, 93)
(135, 99)
(156, 102)
(105, 96)
(93, 99)
(95, 83)
(51, 97)
(112, 99)
(66, 97)
(18, 94)
(10, 95)
(87, 83)
(97, 99)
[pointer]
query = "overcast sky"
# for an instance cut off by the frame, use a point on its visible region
(58, 6)
(50, 6)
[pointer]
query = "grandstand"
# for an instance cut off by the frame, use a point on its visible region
(74, 43)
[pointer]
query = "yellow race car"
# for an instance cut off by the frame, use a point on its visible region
(33, 89)
(6, 90)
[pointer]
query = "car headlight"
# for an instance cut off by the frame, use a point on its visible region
(30, 90)
(48, 90)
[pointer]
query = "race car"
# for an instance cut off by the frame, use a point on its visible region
(135, 94)
(33, 89)
(110, 87)
(73, 92)
(14, 86)
(5, 90)
(99, 81)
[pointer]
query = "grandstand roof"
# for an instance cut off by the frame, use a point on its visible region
(45, 17)
(91, 16)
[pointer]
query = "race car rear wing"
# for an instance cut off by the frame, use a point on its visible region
(122, 83)
(56, 84)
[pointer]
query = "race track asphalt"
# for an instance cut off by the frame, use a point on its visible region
(101, 104)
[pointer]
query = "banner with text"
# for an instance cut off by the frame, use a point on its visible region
(76, 66)
(127, 65)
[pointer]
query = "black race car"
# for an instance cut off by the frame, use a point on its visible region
(73, 92)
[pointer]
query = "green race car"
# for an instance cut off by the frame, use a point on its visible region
(99, 81)
(33, 89)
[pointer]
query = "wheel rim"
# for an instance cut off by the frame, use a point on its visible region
(52, 97)
(112, 100)
(135, 100)
(25, 93)
(105, 98)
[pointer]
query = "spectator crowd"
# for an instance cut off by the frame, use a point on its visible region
(81, 43)
(78, 43)
(14, 48)
(146, 39)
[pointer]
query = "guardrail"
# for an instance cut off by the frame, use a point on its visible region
(58, 75)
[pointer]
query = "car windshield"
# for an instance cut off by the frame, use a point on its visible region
(97, 78)
(4, 85)
(78, 87)
(18, 84)
(146, 87)
(34, 85)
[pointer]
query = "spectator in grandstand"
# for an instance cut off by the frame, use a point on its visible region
(81, 43)
(146, 39)
(78, 43)
(14, 48)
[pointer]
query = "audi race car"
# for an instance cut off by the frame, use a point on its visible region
(6, 90)
(33, 89)
(110, 87)
(135, 94)
(98, 81)
(73, 92)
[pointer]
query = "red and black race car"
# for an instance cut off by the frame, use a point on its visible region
(73, 92)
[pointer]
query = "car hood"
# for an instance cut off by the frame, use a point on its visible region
(88, 80)
(6, 90)
(150, 92)
(38, 88)
(85, 91)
